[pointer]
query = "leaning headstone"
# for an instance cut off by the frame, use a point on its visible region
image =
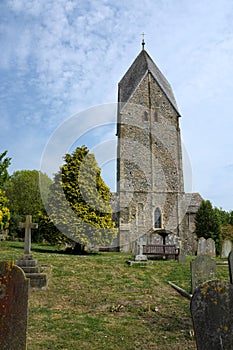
(201, 246)
(13, 307)
(212, 314)
(226, 248)
(230, 264)
(203, 269)
(210, 247)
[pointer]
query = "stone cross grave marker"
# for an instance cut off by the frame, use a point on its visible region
(13, 307)
(212, 314)
(230, 264)
(140, 256)
(28, 225)
(203, 269)
(226, 248)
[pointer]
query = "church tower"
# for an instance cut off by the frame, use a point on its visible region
(150, 183)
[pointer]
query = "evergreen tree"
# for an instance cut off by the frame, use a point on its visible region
(4, 164)
(79, 201)
(208, 223)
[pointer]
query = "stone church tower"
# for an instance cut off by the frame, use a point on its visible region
(150, 186)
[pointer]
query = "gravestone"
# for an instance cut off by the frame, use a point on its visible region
(230, 264)
(201, 246)
(210, 247)
(212, 314)
(139, 256)
(226, 248)
(203, 269)
(13, 307)
(27, 263)
(28, 225)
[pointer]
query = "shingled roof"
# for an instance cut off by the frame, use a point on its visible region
(141, 65)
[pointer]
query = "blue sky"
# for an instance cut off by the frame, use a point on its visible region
(61, 57)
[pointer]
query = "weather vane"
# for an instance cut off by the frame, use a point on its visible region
(143, 41)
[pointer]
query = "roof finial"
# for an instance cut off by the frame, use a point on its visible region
(143, 41)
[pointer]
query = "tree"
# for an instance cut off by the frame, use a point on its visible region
(79, 201)
(4, 211)
(208, 223)
(4, 164)
(23, 192)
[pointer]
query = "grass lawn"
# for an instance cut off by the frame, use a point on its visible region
(99, 302)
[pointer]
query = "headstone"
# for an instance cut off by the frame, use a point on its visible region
(230, 264)
(212, 314)
(140, 256)
(13, 307)
(27, 263)
(203, 269)
(201, 246)
(226, 248)
(210, 247)
(28, 225)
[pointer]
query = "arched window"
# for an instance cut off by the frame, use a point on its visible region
(158, 218)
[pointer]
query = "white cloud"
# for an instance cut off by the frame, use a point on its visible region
(59, 57)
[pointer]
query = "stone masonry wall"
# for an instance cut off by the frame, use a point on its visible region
(150, 170)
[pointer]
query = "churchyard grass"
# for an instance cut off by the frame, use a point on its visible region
(97, 301)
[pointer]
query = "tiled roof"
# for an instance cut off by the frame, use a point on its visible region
(143, 64)
(193, 200)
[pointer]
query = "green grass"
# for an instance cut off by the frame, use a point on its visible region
(99, 302)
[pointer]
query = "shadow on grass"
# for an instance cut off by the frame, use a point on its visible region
(46, 250)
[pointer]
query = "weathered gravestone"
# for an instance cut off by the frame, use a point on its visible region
(201, 246)
(27, 263)
(203, 269)
(212, 314)
(139, 251)
(226, 248)
(13, 307)
(206, 247)
(230, 264)
(210, 247)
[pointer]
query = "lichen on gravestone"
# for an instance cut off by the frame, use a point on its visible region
(13, 307)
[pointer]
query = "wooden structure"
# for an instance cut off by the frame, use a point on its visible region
(161, 250)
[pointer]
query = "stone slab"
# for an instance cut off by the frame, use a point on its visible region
(13, 307)
(38, 280)
(203, 269)
(226, 248)
(212, 314)
(230, 264)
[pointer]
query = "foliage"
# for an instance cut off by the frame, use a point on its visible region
(4, 211)
(227, 232)
(79, 200)
(23, 192)
(4, 164)
(208, 223)
(50, 232)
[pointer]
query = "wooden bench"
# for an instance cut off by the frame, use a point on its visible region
(161, 250)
